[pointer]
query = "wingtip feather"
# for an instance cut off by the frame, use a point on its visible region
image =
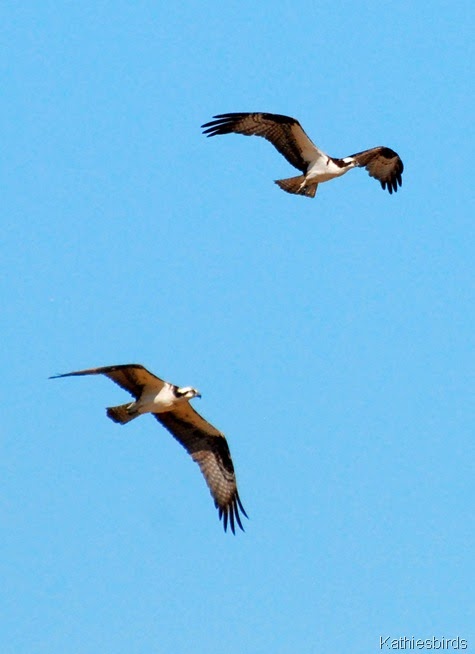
(229, 514)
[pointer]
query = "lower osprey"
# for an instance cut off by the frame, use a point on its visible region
(287, 135)
(170, 405)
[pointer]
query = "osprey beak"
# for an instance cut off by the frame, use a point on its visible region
(198, 395)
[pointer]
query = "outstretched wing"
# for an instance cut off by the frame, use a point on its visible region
(384, 164)
(285, 134)
(209, 448)
(132, 377)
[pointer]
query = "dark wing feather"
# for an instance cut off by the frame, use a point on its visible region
(285, 134)
(384, 164)
(132, 377)
(209, 448)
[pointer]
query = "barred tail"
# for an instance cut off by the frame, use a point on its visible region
(121, 414)
(295, 185)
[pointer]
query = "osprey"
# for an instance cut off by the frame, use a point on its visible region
(287, 135)
(170, 405)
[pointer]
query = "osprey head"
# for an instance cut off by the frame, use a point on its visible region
(187, 393)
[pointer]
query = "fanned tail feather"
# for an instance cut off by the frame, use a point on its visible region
(121, 414)
(294, 185)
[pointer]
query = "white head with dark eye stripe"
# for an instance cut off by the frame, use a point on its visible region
(187, 393)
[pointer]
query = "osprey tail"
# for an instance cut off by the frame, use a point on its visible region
(121, 414)
(296, 185)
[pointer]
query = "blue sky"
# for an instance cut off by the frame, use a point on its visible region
(332, 339)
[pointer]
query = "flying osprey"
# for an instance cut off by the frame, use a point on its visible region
(286, 134)
(170, 406)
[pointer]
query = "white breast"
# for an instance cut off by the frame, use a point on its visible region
(152, 401)
(324, 168)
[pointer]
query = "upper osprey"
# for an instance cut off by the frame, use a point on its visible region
(287, 135)
(170, 406)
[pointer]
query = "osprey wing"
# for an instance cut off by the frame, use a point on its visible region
(284, 132)
(209, 448)
(132, 377)
(384, 164)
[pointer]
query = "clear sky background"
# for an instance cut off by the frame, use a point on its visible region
(332, 339)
